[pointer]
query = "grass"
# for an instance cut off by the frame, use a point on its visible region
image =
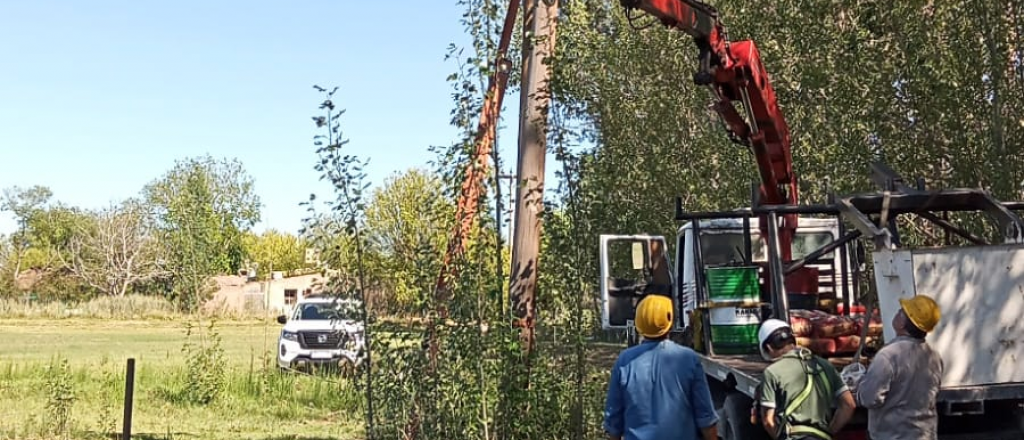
(258, 402)
(120, 308)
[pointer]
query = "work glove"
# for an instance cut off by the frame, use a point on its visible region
(852, 374)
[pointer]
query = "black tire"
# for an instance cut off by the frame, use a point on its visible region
(736, 409)
(1020, 420)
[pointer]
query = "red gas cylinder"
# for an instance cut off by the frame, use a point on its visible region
(804, 281)
(855, 310)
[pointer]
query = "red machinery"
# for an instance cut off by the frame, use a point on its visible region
(734, 72)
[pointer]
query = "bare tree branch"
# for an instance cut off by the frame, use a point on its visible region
(115, 251)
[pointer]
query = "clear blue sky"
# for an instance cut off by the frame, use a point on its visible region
(99, 98)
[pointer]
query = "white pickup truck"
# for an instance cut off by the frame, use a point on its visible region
(322, 331)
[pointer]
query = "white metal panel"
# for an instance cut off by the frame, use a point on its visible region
(686, 285)
(894, 278)
(981, 293)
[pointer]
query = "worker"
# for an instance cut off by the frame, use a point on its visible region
(900, 385)
(658, 390)
(800, 389)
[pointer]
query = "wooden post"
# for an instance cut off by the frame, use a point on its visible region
(538, 43)
(129, 393)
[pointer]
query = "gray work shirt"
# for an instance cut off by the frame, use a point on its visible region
(899, 390)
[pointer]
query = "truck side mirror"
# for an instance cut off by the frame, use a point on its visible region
(281, 319)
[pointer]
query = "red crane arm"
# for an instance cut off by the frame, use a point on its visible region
(734, 72)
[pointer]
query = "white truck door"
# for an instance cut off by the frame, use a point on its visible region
(631, 266)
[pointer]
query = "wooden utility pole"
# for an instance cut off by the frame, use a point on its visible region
(538, 44)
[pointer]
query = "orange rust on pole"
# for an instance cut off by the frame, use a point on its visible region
(472, 185)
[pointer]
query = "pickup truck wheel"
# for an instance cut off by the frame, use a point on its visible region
(737, 417)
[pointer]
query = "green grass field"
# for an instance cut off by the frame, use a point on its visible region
(256, 402)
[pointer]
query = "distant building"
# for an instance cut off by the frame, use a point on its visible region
(276, 295)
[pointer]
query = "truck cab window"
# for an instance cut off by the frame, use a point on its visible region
(722, 249)
(621, 267)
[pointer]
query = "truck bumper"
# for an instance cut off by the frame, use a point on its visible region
(292, 355)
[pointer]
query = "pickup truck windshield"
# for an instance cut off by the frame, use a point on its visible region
(326, 312)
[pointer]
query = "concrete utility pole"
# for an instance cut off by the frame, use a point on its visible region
(538, 43)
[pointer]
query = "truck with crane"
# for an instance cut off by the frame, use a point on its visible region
(802, 260)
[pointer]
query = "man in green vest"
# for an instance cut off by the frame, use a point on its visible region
(800, 389)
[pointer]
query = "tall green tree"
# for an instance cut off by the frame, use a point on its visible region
(25, 204)
(934, 89)
(407, 228)
(275, 250)
(201, 208)
(50, 231)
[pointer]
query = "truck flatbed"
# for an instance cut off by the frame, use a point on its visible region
(748, 369)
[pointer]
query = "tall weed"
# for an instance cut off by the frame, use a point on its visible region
(205, 364)
(60, 397)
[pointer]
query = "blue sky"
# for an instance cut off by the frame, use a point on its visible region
(99, 98)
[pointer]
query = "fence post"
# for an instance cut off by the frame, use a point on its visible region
(129, 391)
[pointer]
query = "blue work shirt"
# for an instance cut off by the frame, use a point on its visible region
(658, 391)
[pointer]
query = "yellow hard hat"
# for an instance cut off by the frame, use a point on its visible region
(654, 316)
(922, 311)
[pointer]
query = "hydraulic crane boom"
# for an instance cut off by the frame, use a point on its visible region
(734, 72)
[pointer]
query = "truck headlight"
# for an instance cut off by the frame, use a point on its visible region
(289, 336)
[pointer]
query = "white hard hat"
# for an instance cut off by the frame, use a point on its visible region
(767, 328)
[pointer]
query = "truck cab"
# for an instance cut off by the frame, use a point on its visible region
(731, 252)
(732, 244)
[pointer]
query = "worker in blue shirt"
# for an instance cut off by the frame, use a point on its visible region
(658, 390)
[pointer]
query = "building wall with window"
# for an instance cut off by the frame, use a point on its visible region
(277, 295)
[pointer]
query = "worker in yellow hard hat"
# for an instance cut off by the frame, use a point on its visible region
(658, 389)
(900, 385)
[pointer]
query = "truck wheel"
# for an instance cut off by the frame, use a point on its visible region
(737, 417)
(1020, 419)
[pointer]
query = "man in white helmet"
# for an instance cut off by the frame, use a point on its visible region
(800, 389)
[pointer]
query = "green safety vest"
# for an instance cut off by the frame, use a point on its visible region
(792, 429)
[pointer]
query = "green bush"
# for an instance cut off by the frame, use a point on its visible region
(205, 365)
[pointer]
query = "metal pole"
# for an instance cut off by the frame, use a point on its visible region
(539, 24)
(702, 296)
(748, 247)
(129, 392)
(775, 271)
(844, 265)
